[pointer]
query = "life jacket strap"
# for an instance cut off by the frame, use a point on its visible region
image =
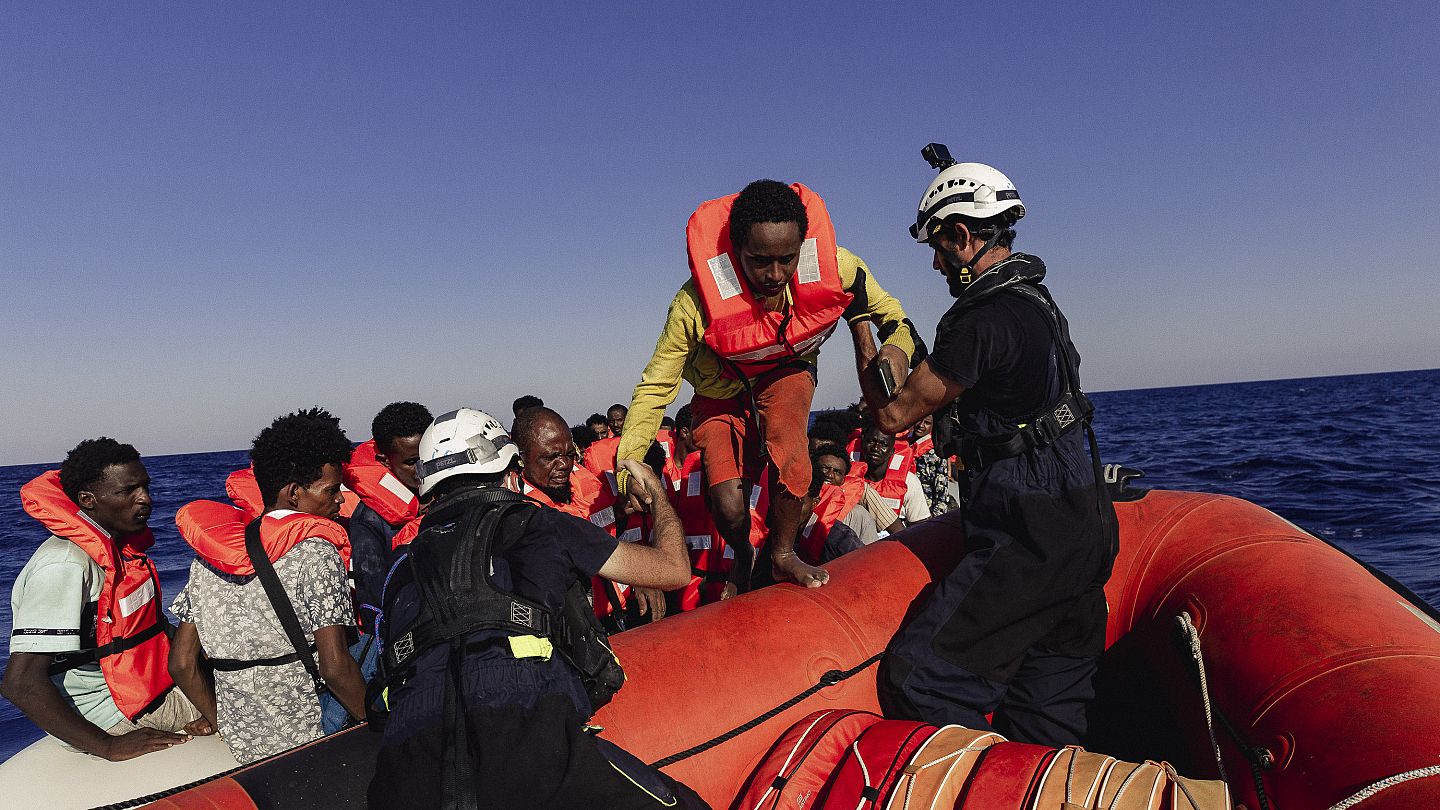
(64, 662)
(238, 664)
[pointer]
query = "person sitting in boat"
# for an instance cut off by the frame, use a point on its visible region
(1017, 626)
(388, 491)
(840, 504)
(88, 651)
(892, 491)
(839, 523)
(492, 668)
(768, 285)
(268, 600)
(932, 471)
(598, 427)
(826, 430)
(600, 456)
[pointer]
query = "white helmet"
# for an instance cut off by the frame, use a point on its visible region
(463, 442)
(970, 189)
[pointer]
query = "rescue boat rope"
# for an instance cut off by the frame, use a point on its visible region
(830, 678)
(1388, 782)
(1192, 635)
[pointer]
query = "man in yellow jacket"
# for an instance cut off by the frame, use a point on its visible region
(748, 342)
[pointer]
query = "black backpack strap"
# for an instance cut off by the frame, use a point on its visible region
(280, 601)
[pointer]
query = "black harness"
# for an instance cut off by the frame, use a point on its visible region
(1040, 428)
(449, 565)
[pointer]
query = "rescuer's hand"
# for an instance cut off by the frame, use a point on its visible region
(641, 486)
(899, 365)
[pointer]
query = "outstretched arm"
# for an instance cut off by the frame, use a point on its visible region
(664, 564)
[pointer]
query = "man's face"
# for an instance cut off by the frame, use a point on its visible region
(400, 459)
(923, 427)
(831, 469)
(615, 420)
(876, 448)
(120, 500)
(322, 497)
(601, 429)
(770, 255)
(952, 246)
(549, 458)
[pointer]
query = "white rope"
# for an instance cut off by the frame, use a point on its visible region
(1193, 635)
(1418, 773)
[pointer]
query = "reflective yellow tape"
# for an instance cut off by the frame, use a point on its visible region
(531, 647)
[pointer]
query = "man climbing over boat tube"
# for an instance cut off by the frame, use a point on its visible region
(88, 652)
(1016, 627)
(493, 661)
(768, 285)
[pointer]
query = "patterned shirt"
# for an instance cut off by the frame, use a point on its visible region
(268, 709)
(934, 481)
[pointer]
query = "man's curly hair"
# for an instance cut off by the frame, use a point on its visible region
(85, 465)
(397, 421)
(295, 449)
(836, 450)
(765, 201)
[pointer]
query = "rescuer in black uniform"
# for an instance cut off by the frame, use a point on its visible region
(492, 660)
(1017, 626)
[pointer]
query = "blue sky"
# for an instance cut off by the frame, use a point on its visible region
(211, 214)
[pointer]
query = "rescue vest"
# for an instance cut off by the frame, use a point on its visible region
(244, 491)
(454, 601)
(924, 444)
(891, 488)
(834, 504)
(902, 446)
(217, 533)
(708, 564)
(378, 488)
(601, 455)
(130, 642)
(738, 327)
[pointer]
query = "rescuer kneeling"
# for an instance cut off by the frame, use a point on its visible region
(493, 660)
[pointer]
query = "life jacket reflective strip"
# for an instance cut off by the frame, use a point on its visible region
(243, 490)
(129, 602)
(737, 325)
(217, 533)
(378, 488)
(834, 504)
(891, 488)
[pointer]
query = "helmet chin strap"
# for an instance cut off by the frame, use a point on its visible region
(965, 274)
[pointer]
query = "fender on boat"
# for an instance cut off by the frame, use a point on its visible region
(1308, 655)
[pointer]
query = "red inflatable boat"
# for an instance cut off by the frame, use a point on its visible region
(1323, 680)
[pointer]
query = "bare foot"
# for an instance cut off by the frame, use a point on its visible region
(790, 568)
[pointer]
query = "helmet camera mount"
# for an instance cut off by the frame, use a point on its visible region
(938, 156)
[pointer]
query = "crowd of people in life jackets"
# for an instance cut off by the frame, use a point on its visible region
(329, 546)
(290, 587)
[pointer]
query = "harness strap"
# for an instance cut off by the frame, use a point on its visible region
(280, 602)
(237, 664)
(79, 658)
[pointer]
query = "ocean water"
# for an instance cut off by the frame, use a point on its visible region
(1347, 458)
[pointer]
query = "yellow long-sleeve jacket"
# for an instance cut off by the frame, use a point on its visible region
(681, 353)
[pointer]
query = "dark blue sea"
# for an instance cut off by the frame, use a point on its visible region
(1352, 459)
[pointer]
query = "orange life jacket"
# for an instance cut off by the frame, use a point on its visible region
(601, 455)
(924, 444)
(131, 645)
(407, 533)
(217, 533)
(834, 504)
(245, 493)
(891, 488)
(708, 564)
(666, 438)
(378, 488)
(738, 327)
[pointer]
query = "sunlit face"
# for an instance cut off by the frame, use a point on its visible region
(770, 255)
(832, 469)
(120, 500)
(876, 448)
(321, 498)
(952, 246)
(549, 458)
(615, 420)
(400, 459)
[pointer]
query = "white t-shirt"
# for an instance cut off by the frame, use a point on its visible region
(46, 604)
